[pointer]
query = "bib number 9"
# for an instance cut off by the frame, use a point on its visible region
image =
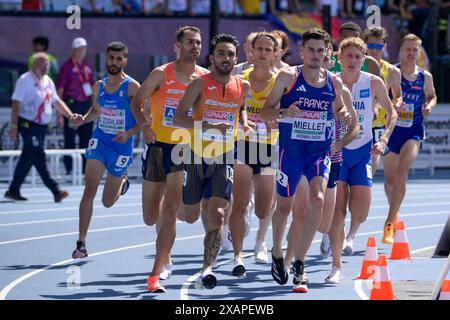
(122, 161)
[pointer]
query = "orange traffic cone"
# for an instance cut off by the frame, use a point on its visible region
(370, 260)
(382, 286)
(445, 290)
(400, 249)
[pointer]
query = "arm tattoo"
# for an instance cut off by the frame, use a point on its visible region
(212, 243)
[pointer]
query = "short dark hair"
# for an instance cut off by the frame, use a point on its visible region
(224, 37)
(351, 26)
(316, 34)
(267, 35)
(179, 34)
(42, 41)
(375, 32)
(118, 47)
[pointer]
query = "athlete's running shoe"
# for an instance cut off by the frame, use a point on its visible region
(348, 246)
(261, 255)
(154, 286)
(206, 281)
(388, 236)
(278, 270)
(300, 280)
(335, 276)
(325, 246)
(80, 251)
(125, 186)
(239, 267)
(226, 241)
(166, 271)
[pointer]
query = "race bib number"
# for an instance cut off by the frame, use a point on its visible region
(92, 144)
(230, 173)
(282, 179)
(122, 161)
(378, 133)
(112, 121)
(217, 117)
(310, 126)
(405, 116)
(170, 108)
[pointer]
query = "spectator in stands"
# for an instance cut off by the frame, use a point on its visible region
(443, 27)
(278, 7)
(252, 7)
(40, 44)
(202, 7)
(97, 6)
(334, 4)
(128, 6)
(32, 101)
(75, 87)
(32, 5)
(152, 7)
(176, 7)
(346, 9)
(10, 5)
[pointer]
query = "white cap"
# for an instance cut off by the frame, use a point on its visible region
(79, 42)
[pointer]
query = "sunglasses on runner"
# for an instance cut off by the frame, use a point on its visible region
(375, 46)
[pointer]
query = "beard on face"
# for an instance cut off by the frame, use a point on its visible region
(223, 68)
(113, 70)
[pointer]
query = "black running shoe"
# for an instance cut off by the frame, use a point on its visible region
(209, 282)
(300, 280)
(13, 195)
(80, 251)
(125, 186)
(279, 272)
(239, 268)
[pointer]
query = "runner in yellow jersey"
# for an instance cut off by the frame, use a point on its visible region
(254, 154)
(375, 38)
(162, 169)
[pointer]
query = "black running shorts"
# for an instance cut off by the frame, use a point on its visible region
(159, 159)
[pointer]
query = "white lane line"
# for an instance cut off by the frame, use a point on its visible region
(69, 219)
(109, 229)
(138, 214)
(76, 232)
(31, 201)
(5, 291)
(46, 210)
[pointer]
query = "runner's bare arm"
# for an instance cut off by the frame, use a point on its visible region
(430, 94)
(339, 107)
(395, 78)
(380, 94)
(192, 95)
(283, 82)
(353, 129)
(151, 84)
(94, 112)
(372, 66)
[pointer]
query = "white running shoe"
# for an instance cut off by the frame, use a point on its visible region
(335, 276)
(239, 270)
(166, 272)
(348, 247)
(325, 246)
(226, 241)
(248, 216)
(261, 255)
